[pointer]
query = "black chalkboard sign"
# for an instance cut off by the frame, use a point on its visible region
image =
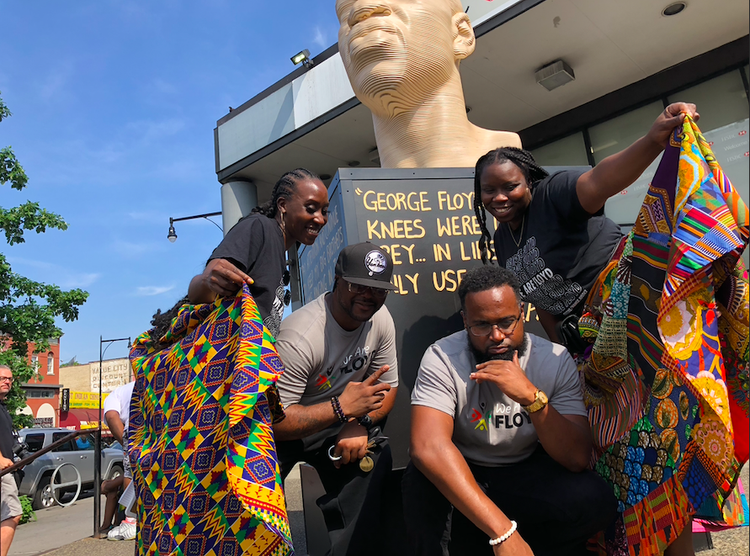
(425, 219)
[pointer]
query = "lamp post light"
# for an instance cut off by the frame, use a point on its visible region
(172, 236)
(98, 446)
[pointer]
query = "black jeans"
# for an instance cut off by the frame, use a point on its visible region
(556, 510)
(352, 504)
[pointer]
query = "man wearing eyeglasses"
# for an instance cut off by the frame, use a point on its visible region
(340, 382)
(10, 505)
(500, 439)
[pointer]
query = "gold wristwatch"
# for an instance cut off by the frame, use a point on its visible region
(540, 401)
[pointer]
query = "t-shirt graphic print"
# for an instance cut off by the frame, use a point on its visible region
(539, 285)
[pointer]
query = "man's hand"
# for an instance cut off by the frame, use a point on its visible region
(5, 462)
(360, 398)
(672, 116)
(509, 377)
(351, 444)
(223, 278)
(514, 546)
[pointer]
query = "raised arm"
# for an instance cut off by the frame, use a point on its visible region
(433, 452)
(618, 171)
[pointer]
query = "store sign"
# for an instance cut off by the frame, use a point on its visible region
(86, 400)
(65, 400)
(480, 11)
(44, 422)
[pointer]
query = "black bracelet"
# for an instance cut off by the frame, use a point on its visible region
(337, 409)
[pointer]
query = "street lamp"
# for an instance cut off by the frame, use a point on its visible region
(172, 235)
(98, 446)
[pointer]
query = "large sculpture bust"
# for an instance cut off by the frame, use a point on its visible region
(402, 59)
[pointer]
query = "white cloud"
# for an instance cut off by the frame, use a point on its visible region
(320, 38)
(153, 290)
(150, 130)
(131, 249)
(163, 87)
(80, 280)
(55, 82)
(54, 273)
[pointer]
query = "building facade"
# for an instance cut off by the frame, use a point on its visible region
(81, 383)
(43, 390)
(629, 60)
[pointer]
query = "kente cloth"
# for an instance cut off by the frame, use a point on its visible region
(666, 383)
(201, 441)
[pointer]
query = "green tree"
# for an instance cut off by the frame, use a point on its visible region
(28, 309)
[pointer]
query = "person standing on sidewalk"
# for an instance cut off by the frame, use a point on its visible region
(117, 415)
(10, 505)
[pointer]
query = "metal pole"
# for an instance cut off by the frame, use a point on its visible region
(98, 445)
(98, 455)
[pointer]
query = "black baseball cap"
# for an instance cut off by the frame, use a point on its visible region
(365, 264)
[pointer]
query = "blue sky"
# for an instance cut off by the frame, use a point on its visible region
(114, 106)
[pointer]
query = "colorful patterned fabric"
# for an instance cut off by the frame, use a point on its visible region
(201, 440)
(666, 381)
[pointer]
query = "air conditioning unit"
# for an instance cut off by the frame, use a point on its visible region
(554, 75)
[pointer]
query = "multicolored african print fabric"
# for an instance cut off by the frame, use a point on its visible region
(201, 441)
(667, 380)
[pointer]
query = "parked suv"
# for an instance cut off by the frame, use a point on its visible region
(79, 451)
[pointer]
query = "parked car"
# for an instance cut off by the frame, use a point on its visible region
(79, 452)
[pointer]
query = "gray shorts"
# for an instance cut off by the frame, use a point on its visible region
(127, 472)
(10, 505)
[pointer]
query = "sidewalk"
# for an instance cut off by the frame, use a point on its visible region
(726, 543)
(95, 547)
(66, 531)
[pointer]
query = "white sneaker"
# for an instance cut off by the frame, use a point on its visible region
(123, 532)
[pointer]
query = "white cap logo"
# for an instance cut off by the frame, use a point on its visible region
(375, 262)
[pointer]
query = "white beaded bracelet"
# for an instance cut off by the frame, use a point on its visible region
(506, 536)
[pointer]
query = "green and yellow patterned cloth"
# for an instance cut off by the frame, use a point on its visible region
(201, 441)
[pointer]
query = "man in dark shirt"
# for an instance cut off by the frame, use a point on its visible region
(10, 506)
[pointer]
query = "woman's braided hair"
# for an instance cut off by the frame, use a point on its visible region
(531, 171)
(285, 188)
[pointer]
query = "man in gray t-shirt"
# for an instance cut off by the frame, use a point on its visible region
(500, 432)
(340, 381)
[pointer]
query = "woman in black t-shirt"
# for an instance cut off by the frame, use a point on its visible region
(254, 250)
(551, 230)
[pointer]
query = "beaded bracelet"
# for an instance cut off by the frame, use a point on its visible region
(337, 409)
(506, 536)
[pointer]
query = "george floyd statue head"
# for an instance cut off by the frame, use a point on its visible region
(402, 58)
(398, 52)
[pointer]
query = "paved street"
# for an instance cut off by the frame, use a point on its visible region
(67, 531)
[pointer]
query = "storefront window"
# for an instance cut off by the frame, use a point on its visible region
(569, 151)
(615, 135)
(721, 101)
